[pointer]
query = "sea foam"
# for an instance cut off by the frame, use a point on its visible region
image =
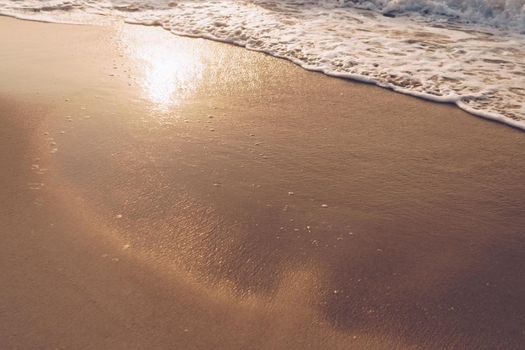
(467, 52)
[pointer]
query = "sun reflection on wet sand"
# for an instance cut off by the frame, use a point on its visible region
(169, 70)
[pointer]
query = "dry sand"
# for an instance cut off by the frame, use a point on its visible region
(171, 193)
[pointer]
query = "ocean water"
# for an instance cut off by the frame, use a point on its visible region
(467, 52)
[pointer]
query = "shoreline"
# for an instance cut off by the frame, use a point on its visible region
(170, 192)
(455, 100)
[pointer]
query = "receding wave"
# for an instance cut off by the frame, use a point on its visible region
(467, 52)
(508, 14)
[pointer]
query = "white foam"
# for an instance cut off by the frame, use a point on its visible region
(436, 56)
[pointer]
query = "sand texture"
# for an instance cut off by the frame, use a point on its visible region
(172, 193)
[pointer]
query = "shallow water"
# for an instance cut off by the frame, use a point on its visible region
(470, 53)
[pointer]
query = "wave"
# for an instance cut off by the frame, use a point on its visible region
(509, 14)
(505, 14)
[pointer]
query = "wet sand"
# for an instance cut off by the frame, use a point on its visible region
(172, 193)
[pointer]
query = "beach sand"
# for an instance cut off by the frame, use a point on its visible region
(160, 192)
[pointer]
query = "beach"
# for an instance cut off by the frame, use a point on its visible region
(164, 192)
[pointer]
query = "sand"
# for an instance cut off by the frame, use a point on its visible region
(172, 193)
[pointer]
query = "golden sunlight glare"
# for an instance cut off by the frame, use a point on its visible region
(170, 69)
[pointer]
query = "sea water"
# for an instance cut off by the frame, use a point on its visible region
(467, 52)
